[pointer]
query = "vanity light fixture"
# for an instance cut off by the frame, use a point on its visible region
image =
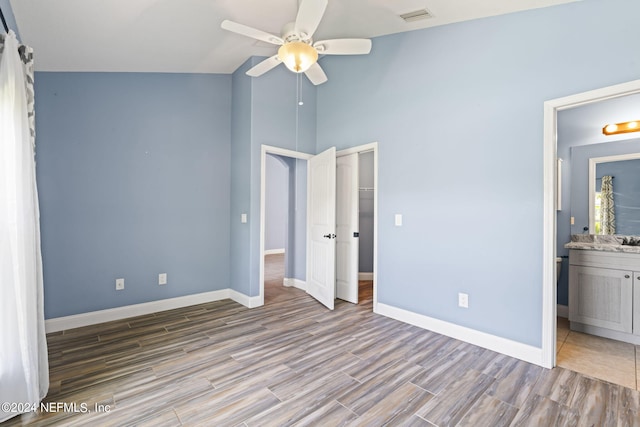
(625, 127)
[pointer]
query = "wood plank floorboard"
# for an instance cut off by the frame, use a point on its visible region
(294, 363)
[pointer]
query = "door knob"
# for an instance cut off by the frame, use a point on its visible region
(329, 236)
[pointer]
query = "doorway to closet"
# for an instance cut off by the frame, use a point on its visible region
(287, 258)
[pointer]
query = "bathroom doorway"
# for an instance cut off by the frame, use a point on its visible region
(558, 227)
(580, 141)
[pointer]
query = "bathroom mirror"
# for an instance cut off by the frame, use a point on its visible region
(625, 170)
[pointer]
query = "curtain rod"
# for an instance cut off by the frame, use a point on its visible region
(4, 22)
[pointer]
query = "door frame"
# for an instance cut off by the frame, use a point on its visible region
(268, 149)
(373, 146)
(549, 242)
(264, 150)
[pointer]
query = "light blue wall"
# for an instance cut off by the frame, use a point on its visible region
(265, 112)
(241, 116)
(133, 176)
(458, 114)
(276, 203)
(7, 11)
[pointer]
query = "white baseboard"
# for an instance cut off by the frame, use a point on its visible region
(562, 311)
(501, 345)
(295, 283)
(365, 276)
(273, 251)
(250, 302)
(111, 314)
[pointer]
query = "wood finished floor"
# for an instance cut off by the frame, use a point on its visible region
(292, 362)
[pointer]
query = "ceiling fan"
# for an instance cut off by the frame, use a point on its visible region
(297, 49)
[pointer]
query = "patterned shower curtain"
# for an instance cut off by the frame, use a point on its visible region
(607, 211)
(24, 369)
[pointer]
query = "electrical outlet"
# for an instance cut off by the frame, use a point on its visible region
(162, 279)
(119, 284)
(463, 300)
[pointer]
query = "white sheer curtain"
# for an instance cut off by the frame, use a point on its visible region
(24, 376)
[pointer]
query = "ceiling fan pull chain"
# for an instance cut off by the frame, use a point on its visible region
(299, 90)
(297, 107)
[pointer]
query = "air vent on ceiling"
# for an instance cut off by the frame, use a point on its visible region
(416, 15)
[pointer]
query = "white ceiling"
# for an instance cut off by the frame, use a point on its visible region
(185, 35)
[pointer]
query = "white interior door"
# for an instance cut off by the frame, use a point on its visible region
(347, 228)
(321, 227)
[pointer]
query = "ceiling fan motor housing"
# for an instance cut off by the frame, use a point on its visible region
(289, 34)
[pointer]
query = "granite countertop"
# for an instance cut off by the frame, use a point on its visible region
(615, 243)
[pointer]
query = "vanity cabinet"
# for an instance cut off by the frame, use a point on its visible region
(604, 294)
(601, 297)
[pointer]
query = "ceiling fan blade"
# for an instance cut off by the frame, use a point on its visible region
(264, 66)
(343, 46)
(250, 32)
(316, 75)
(309, 16)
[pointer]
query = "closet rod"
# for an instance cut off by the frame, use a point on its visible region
(4, 22)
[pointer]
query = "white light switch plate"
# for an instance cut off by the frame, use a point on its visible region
(243, 218)
(162, 279)
(119, 284)
(398, 220)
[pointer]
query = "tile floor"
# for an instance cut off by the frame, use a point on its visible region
(609, 360)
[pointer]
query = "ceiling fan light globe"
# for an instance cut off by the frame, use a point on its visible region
(298, 56)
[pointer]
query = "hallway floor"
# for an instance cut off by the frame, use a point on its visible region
(610, 360)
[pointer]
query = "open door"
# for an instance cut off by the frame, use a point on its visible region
(321, 227)
(347, 228)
